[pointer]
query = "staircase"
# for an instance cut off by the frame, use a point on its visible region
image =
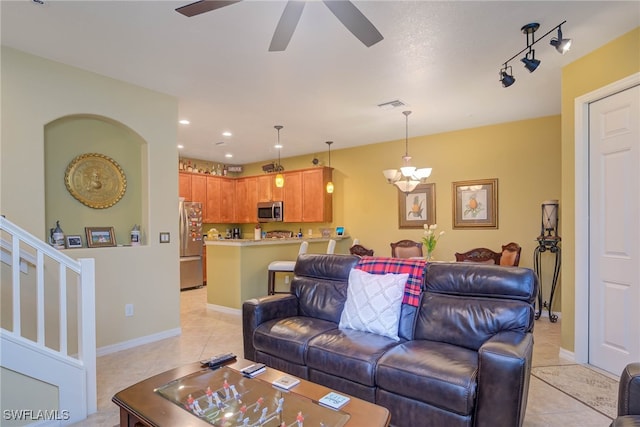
(48, 321)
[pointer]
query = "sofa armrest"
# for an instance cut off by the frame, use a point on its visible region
(259, 310)
(629, 390)
(504, 367)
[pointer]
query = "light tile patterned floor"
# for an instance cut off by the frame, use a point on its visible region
(206, 332)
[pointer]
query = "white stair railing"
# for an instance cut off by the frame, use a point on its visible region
(24, 255)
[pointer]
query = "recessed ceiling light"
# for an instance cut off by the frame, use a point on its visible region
(184, 122)
(228, 155)
(180, 146)
(227, 133)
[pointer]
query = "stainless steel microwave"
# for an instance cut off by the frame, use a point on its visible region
(270, 211)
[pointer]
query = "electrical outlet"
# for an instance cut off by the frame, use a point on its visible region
(286, 279)
(128, 310)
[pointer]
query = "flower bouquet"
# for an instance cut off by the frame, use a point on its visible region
(430, 239)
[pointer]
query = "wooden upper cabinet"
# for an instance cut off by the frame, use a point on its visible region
(199, 191)
(184, 186)
(227, 200)
(265, 187)
(214, 213)
(292, 192)
(246, 196)
(317, 204)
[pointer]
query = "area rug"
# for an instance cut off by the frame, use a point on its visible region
(586, 385)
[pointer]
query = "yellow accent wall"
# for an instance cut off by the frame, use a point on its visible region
(612, 62)
(524, 156)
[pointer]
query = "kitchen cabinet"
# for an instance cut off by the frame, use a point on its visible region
(246, 200)
(213, 210)
(184, 186)
(227, 200)
(199, 191)
(317, 204)
(267, 190)
(292, 192)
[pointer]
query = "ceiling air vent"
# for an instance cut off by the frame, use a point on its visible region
(391, 104)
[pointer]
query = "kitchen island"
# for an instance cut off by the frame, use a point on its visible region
(237, 269)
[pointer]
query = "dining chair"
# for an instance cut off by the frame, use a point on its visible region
(406, 249)
(283, 267)
(510, 254)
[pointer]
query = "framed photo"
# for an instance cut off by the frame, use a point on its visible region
(475, 204)
(73, 241)
(418, 207)
(99, 237)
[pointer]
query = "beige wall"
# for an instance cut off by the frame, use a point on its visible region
(612, 62)
(36, 92)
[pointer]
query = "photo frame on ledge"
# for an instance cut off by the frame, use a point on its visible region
(73, 241)
(100, 237)
(475, 204)
(418, 207)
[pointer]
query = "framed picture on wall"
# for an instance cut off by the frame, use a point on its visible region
(418, 207)
(475, 203)
(99, 237)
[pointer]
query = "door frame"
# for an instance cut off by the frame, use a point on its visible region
(581, 192)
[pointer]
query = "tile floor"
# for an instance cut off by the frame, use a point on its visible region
(206, 332)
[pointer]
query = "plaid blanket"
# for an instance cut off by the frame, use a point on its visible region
(414, 267)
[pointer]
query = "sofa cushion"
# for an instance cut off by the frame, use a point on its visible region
(439, 374)
(349, 354)
(288, 338)
(373, 303)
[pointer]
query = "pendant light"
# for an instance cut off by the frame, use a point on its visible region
(329, 184)
(408, 177)
(279, 168)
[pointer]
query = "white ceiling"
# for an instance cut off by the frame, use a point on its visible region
(440, 58)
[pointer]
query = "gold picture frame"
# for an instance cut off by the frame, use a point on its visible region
(418, 207)
(475, 203)
(95, 180)
(100, 237)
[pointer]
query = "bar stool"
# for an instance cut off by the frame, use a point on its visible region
(283, 267)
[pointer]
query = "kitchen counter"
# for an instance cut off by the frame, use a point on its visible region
(237, 269)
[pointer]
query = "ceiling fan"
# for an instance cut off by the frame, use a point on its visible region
(344, 10)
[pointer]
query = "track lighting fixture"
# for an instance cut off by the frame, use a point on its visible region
(561, 45)
(530, 62)
(506, 78)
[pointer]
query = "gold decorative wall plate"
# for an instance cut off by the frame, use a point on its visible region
(95, 180)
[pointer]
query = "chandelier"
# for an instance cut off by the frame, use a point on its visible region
(408, 177)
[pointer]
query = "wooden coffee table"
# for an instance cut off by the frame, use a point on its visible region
(140, 405)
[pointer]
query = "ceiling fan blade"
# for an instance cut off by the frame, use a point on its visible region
(355, 21)
(286, 25)
(203, 6)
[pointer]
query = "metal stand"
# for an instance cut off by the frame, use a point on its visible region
(547, 243)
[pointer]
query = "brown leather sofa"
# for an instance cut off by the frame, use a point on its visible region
(464, 355)
(629, 397)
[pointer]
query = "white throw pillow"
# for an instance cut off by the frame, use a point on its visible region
(373, 303)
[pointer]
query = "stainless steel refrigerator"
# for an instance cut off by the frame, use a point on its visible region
(190, 244)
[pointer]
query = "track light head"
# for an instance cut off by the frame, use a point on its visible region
(506, 78)
(561, 45)
(532, 63)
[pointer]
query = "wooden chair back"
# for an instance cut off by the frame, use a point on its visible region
(360, 250)
(510, 255)
(406, 249)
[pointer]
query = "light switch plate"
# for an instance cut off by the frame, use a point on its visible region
(165, 237)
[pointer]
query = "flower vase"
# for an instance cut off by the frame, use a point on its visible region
(429, 257)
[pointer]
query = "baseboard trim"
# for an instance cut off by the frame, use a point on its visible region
(125, 345)
(566, 354)
(223, 309)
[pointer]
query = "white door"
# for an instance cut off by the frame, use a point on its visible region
(614, 230)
